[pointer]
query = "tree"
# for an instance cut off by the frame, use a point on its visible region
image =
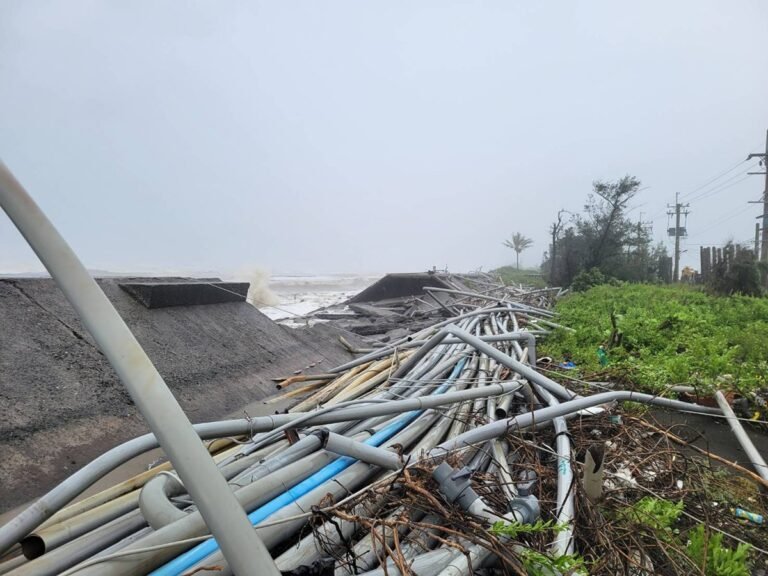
(518, 243)
(604, 238)
(555, 230)
(605, 224)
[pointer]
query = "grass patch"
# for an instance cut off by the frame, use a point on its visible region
(526, 276)
(661, 335)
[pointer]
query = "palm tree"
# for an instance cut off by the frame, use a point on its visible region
(518, 244)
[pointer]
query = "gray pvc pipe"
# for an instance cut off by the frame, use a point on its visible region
(269, 478)
(306, 551)
(146, 387)
(419, 335)
(367, 552)
(511, 363)
(8, 565)
(523, 308)
(50, 537)
(155, 504)
(425, 541)
(757, 461)
(427, 564)
(55, 499)
(545, 415)
(193, 525)
(460, 565)
(56, 561)
(502, 407)
(529, 337)
(341, 485)
(503, 337)
(414, 391)
(563, 543)
(417, 357)
(304, 447)
(344, 446)
(451, 419)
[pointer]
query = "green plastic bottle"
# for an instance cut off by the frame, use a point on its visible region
(602, 356)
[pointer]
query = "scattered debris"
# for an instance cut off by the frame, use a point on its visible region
(442, 446)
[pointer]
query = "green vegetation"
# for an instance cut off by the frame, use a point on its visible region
(513, 530)
(538, 564)
(605, 238)
(661, 335)
(706, 550)
(587, 279)
(657, 514)
(527, 277)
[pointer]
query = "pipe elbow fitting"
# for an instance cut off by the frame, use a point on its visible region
(455, 485)
(524, 510)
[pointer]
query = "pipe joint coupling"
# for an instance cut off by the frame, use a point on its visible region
(455, 485)
(525, 510)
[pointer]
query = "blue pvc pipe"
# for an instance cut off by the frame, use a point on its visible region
(194, 555)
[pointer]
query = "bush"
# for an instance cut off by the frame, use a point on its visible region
(587, 279)
(707, 551)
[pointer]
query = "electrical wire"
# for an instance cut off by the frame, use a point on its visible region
(708, 182)
(720, 220)
(724, 186)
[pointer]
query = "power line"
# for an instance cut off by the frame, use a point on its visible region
(722, 186)
(708, 182)
(714, 179)
(704, 185)
(720, 220)
(729, 183)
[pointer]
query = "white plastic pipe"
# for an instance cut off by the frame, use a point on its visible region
(741, 435)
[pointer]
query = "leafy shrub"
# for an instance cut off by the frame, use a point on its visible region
(707, 551)
(515, 529)
(537, 563)
(587, 279)
(657, 514)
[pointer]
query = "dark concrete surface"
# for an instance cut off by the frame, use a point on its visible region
(712, 434)
(399, 286)
(62, 404)
(186, 293)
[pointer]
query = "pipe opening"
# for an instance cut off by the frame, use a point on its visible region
(32, 547)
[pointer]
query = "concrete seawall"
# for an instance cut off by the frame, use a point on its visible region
(63, 405)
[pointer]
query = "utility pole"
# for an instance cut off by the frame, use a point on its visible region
(677, 232)
(764, 163)
(757, 240)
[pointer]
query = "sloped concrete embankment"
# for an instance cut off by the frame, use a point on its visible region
(63, 404)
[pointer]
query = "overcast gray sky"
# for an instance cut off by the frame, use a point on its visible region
(316, 137)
